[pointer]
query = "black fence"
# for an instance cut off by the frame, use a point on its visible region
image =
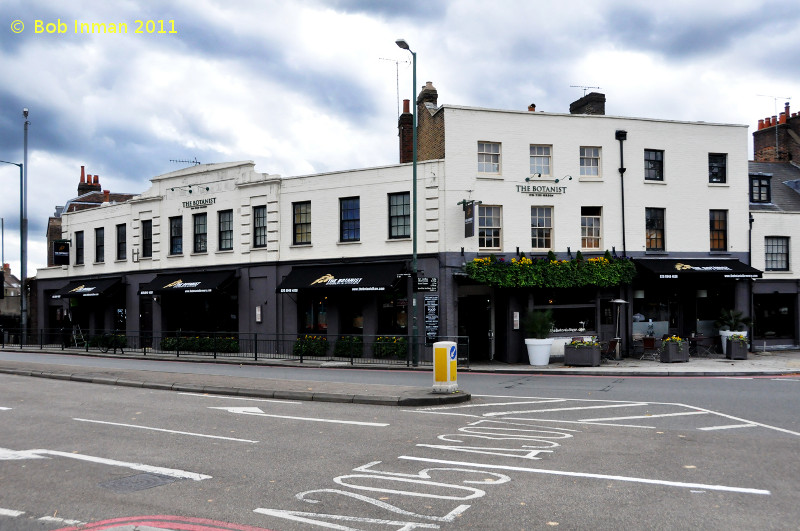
(353, 349)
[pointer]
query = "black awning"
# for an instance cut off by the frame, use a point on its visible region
(191, 282)
(355, 277)
(697, 268)
(87, 288)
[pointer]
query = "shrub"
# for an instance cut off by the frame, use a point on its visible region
(349, 346)
(390, 347)
(200, 344)
(314, 346)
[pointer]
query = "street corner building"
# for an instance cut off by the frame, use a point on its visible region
(621, 226)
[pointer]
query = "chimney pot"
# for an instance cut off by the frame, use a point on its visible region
(83, 174)
(760, 124)
(532, 107)
(106, 193)
(783, 118)
(96, 179)
(406, 106)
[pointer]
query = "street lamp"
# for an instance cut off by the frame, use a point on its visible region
(22, 238)
(414, 348)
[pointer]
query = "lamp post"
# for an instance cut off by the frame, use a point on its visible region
(23, 229)
(414, 347)
(23, 251)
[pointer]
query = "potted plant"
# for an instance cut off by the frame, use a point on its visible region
(537, 326)
(674, 349)
(737, 347)
(731, 322)
(582, 352)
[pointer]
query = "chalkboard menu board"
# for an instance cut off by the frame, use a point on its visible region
(431, 319)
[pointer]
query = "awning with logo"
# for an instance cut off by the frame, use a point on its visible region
(87, 288)
(354, 277)
(697, 268)
(191, 282)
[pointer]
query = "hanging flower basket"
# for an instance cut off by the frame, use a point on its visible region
(547, 273)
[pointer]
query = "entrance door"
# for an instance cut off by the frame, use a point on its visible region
(475, 322)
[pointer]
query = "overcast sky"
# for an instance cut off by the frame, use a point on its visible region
(307, 86)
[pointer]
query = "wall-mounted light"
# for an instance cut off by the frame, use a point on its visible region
(564, 178)
(189, 188)
(529, 179)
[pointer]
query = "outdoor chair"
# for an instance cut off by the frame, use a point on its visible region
(610, 352)
(649, 348)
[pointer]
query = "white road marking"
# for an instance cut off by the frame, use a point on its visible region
(40, 454)
(493, 404)
(165, 431)
(243, 398)
(649, 416)
(60, 520)
(743, 421)
(10, 512)
(5, 409)
(680, 484)
(257, 412)
(709, 428)
(577, 408)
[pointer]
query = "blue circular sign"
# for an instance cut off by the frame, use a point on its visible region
(453, 352)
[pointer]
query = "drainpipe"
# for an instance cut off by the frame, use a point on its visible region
(622, 136)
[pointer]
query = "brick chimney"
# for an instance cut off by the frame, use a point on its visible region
(106, 194)
(428, 94)
(405, 126)
(592, 103)
(87, 185)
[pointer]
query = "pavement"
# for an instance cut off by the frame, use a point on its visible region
(763, 363)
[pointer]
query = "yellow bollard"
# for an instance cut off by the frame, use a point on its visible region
(445, 361)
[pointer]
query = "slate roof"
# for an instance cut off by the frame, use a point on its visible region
(785, 189)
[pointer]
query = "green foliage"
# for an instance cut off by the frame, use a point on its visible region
(527, 273)
(390, 347)
(732, 320)
(313, 345)
(200, 344)
(584, 343)
(112, 341)
(349, 347)
(579, 256)
(737, 338)
(537, 325)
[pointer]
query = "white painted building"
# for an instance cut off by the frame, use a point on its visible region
(222, 247)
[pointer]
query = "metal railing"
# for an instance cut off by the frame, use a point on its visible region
(346, 348)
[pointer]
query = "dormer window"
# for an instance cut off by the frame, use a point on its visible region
(761, 188)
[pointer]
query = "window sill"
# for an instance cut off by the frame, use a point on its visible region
(650, 181)
(177, 255)
(120, 260)
(396, 240)
(778, 272)
(663, 253)
(349, 243)
(79, 265)
(300, 246)
(490, 176)
(199, 253)
(590, 179)
(719, 253)
(98, 263)
(223, 251)
(719, 185)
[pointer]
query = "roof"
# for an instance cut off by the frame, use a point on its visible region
(93, 200)
(785, 189)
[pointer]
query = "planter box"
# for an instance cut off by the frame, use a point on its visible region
(582, 356)
(736, 350)
(673, 352)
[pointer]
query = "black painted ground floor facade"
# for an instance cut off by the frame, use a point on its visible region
(376, 297)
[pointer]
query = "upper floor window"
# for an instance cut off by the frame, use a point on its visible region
(717, 167)
(718, 227)
(777, 253)
(260, 226)
(591, 227)
(489, 227)
(121, 242)
(488, 157)
(301, 223)
(590, 161)
(99, 245)
(760, 189)
(176, 235)
(147, 238)
(653, 165)
(399, 215)
(79, 247)
(654, 229)
(200, 222)
(542, 227)
(226, 230)
(541, 160)
(349, 219)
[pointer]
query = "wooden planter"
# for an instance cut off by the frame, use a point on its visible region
(582, 356)
(736, 350)
(673, 351)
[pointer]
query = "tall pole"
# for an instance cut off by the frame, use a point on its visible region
(23, 229)
(414, 330)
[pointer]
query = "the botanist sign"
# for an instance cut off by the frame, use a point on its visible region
(541, 190)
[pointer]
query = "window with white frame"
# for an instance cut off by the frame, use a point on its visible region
(176, 235)
(653, 165)
(541, 160)
(226, 230)
(399, 215)
(147, 238)
(301, 221)
(489, 227)
(99, 245)
(591, 218)
(260, 226)
(590, 161)
(777, 253)
(79, 249)
(489, 157)
(718, 229)
(200, 222)
(542, 227)
(121, 241)
(654, 229)
(717, 167)
(349, 219)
